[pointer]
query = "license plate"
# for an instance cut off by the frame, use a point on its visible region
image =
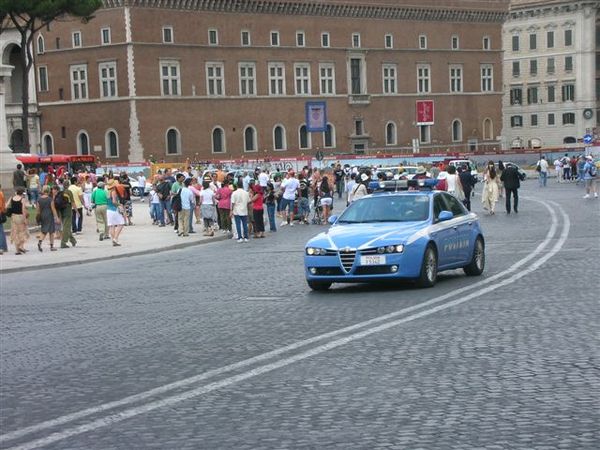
(372, 260)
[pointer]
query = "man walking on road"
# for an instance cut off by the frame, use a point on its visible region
(512, 182)
(239, 211)
(590, 174)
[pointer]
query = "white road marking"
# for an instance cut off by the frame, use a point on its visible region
(132, 412)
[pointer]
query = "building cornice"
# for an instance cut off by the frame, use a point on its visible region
(528, 9)
(324, 8)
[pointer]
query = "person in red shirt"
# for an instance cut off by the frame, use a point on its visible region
(258, 210)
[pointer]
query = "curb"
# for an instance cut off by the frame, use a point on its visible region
(105, 258)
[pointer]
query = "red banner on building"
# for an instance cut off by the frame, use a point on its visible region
(425, 112)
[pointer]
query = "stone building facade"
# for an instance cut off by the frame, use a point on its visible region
(195, 79)
(551, 73)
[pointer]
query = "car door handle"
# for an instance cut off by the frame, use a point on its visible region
(469, 223)
(455, 227)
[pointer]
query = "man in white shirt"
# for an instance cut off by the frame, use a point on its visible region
(263, 179)
(141, 185)
(239, 211)
(290, 187)
(543, 171)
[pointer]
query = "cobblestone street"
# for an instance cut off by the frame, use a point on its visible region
(224, 346)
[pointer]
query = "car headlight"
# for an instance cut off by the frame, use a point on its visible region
(391, 249)
(314, 251)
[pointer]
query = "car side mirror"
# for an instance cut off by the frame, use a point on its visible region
(332, 219)
(445, 215)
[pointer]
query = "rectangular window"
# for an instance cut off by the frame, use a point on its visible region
(516, 96)
(533, 120)
(276, 79)
(300, 39)
(105, 36)
(389, 41)
(515, 43)
(532, 41)
(568, 118)
(327, 79)
(275, 38)
(456, 84)
(455, 43)
(568, 64)
(57, 43)
(551, 119)
(550, 65)
(425, 134)
(423, 78)
(247, 78)
(568, 38)
(79, 89)
(422, 42)
(213, 37)
(359, 127)
(550, 39)
(487, 43)
(533, 67)
(76, 39)
(356, 40)
(516, 121)
(324, 39)
(167, 35)
(551, 91)
(532, 95)
(389, 79)
(108, 79)
(245, 38)
(215, 83)
(169, 77)
(516, 68)
(43, 78)
(487, 78)
(568, 93)
(302, 78)
(356, 75)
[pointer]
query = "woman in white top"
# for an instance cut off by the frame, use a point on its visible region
(453, 183)
(88, 187)
(489, 196)
(360, 190)
(207, 202)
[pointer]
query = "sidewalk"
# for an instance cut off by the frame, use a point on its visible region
(139, 239)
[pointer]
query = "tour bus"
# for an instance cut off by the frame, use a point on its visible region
(73, 163)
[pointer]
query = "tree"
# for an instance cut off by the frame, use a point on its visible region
(28, 17)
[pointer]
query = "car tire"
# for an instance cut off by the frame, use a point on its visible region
(319, 285)
(135, 191)
(429, 268)
(477, 264)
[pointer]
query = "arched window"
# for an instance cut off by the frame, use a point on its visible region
(83, 143)
(41, 47)
(488, 129)
(17, 142)
(304, 137)
(218, 140)
(48, 143)
(456, 131)
(173, 141)
(250, 141)
(111, 144)
(279, 140)
(329, 136)
(569, 140)
(390, 133)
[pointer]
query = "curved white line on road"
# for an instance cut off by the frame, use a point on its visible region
(117, 417)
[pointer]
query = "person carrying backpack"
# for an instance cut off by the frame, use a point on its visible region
(63, 202)
(590, 177)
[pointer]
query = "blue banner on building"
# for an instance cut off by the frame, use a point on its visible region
(316, 117)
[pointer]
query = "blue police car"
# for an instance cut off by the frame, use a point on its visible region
(396, 234)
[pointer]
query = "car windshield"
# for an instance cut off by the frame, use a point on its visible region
(387, 208)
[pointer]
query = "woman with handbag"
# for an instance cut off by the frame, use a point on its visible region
(47, 216)
(16, 209)
(3, 243)
(114, 213)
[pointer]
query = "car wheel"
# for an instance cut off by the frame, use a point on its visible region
(429, 268)
(477, 264)
(319, 285)
(135, 192)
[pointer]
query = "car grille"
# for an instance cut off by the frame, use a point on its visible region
(369, 251)
(373, 270)
(330, 253)
(329, 271)
(347, 258)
